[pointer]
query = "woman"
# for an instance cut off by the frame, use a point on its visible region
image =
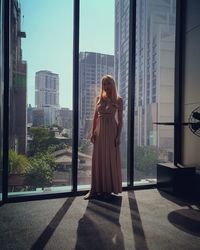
(106, 131)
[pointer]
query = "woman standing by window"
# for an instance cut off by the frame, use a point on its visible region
(106, 131)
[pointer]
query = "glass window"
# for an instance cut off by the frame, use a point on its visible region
(99, 55)
(40, 155)
(121, 72)
(155, 26)
(40, 132)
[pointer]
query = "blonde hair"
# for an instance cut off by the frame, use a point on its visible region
(114, 93)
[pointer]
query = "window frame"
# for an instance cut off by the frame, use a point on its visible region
(180, 7)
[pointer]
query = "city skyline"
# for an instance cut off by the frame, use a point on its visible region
(44, 51)
(46, 70)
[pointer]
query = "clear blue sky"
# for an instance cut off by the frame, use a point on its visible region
(49, 43)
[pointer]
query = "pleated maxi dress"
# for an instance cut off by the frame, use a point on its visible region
(106, 162)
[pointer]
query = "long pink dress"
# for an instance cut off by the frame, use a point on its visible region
(106, 163)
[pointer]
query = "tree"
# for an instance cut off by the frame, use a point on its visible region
(65, 135)
(39, 137)
(41, 140)
(85, 146)
(18, 163)
(41, 171)
(53, 148)
(146, 159)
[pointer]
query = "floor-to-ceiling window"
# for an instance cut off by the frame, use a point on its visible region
(121, 69)
(1, 100)
(40, 108)
(40, 132)
(154, 87)
(103, 49)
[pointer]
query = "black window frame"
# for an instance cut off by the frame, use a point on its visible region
(180, 7)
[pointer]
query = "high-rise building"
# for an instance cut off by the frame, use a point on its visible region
(92, 66)
(155, 46)
(64, 116)
(122, 50)
(155, 40)
(46, 97)
(46, 89)
(18, 84)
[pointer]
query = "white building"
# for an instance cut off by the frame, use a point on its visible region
(46, 89)
(46, 98)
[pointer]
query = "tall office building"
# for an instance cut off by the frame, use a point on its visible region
(46, 97)
(154, 70)
(46, 89)
(122, 50)
(18, 84)
(92, 66)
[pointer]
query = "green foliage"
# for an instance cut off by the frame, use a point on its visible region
(41, 140)
(84, 146)
(146, 159)
(18, 163)
(41, 171)
(65, 135)
(53, 148)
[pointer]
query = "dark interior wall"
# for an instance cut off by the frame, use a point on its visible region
(191, 80)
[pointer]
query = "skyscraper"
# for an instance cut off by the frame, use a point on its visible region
(18, 86)
(46, 97)
(92, 66)
(46, 89)
(122, 50)
(155, 40)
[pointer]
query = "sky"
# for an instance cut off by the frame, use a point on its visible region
(49, 38)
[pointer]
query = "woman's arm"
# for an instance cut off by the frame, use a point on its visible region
(94, 123)
(120, 117)
(120, 121)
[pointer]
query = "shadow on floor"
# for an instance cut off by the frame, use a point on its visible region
(99, 228)
(181, 201)
(139, 236)
(187, 220)
(48, 232)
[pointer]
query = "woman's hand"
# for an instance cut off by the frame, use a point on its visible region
(93, 138)
(117, 140)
